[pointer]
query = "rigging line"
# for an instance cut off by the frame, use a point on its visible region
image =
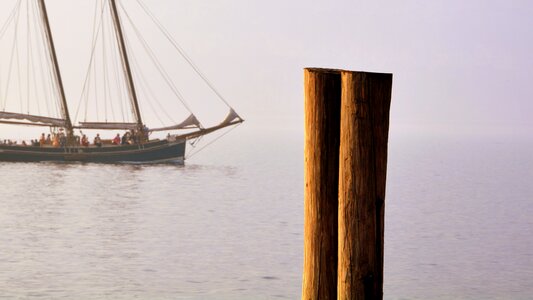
(118, 82)
(151, 92)
(196, 141)
(32, 67)
(104, 65)
(3, 30)
(107, 88)
(84, 96)
(86, 83)
(123, 100)
(54, 76)
(41, 67)
(92, 63)
(156, 62)
(143, 84)
(211, 142)
(32, 64)
(138, 82)
(182, 52)
(53, 82)
(28, 50)
(109, 43)
(4, 27)
(54, 86)
(143, 91)
(11, 57)
(154, 97)
(123, 48)
(88, 77)
(95, 71)
(128, 50)
(19, 82)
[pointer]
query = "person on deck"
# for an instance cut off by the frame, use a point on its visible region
(84, 141)
(48, 140)
(62, 139)
(133, 137)
(116, 140)
(125, 138)
(146, 132)
(97, 140)
(42, 141)
(55, 141)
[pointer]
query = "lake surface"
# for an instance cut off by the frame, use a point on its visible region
(229, 223)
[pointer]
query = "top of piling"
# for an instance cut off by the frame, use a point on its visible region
(340, 71)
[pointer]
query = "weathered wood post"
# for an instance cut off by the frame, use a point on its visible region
(321, 173)
(363, 167)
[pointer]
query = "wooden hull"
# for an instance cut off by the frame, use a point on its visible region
(157, 151)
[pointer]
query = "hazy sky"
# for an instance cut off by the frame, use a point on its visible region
(457, 65)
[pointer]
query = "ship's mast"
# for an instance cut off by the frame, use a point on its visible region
(55, 66)
(126, 64)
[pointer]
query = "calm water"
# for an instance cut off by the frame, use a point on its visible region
(228, 224)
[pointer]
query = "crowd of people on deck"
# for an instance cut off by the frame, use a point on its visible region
(54, 140)
(131, 137)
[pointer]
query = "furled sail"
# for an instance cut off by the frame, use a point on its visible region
(231, 117)
(107, 125)
(190, 122)
(33, 118)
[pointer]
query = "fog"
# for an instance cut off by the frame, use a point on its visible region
(459, 66)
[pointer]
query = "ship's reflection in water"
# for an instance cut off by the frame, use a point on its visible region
(226, 228)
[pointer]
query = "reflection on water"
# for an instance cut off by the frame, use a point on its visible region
(228, 224)
(221, 229)
(458, 219)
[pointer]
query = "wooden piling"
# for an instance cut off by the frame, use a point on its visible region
(321, 154)
(362, 172)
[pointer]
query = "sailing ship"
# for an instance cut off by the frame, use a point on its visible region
(143, 150)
